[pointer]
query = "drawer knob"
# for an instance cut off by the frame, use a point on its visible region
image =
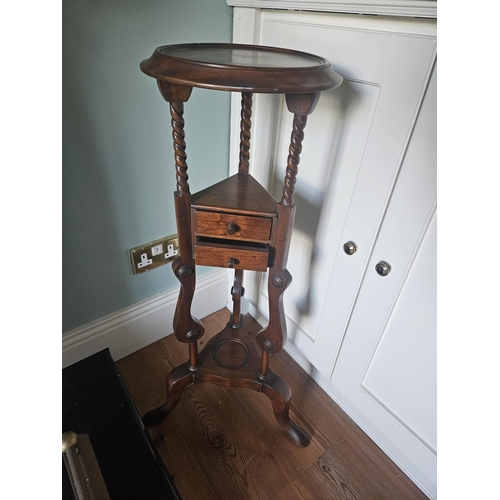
(231, 262)
(231, 228)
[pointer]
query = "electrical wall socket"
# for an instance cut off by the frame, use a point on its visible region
(154, 254)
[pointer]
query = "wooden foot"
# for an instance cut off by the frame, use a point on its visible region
(177, 380)
(278, 391)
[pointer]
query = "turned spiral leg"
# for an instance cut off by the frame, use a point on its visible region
(292, 167)
(246, 115)
(178, 135)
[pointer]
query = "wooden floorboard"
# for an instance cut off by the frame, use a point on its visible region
(224, 443)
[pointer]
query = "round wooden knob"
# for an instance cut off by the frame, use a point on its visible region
(231, 228)
(185, 271)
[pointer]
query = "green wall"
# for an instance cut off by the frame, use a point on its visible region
(118, 169)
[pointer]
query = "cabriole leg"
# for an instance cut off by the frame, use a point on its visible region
(278, 391)
(177, 380)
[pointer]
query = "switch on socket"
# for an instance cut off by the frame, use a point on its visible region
(154, 254)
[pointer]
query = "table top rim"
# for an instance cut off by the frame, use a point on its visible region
(279, 51)
(317, 75)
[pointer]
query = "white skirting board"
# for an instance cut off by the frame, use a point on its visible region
(130, 329)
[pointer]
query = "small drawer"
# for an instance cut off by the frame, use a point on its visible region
(230, 226)
(230, 254)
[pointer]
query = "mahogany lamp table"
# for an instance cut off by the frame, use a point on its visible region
(235, 223)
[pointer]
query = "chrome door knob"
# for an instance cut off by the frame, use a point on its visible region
(383, 268)
(350, 247)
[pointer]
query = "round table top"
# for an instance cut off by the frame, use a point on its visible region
(245, 68)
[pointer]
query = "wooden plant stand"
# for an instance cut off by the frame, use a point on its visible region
(235, 223)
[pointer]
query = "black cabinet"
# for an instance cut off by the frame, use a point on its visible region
(96, 402)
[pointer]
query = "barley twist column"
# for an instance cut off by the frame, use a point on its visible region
(177, 112)
(292, 168)
(246, 114)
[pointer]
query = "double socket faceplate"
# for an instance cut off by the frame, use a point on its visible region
(154, 254)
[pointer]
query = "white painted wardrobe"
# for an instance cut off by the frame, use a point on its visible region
(367, 175)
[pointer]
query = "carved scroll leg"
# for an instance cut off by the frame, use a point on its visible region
(272, 338)
(237, 293)
(177, 380)
(278, 391)
(187, 328)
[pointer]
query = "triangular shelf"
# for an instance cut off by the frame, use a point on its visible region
(240, 193)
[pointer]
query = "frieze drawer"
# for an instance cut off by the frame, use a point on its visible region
(231, 226)
(231, 254)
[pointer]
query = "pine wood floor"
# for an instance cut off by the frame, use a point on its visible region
(224, 443)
